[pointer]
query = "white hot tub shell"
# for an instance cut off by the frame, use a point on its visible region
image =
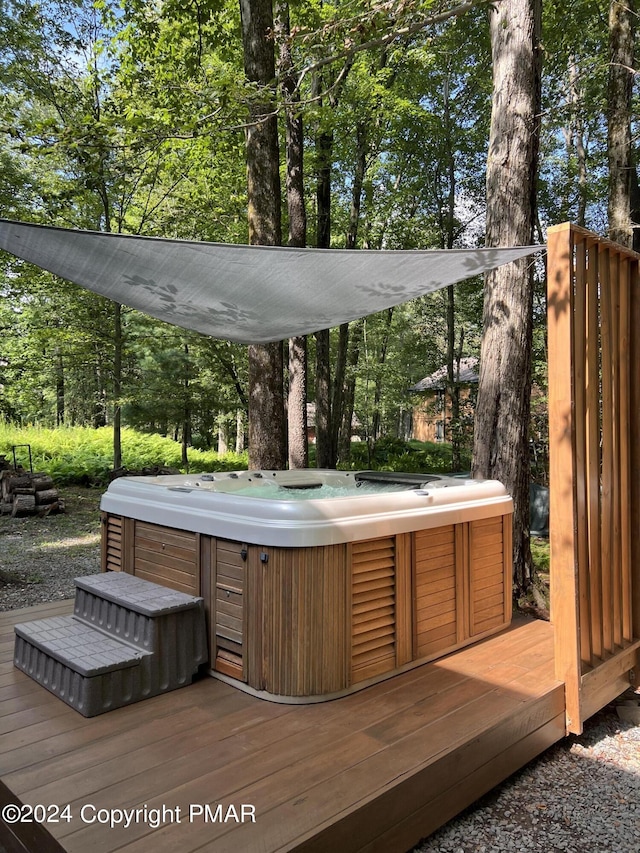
(319, 582)
(289, 508)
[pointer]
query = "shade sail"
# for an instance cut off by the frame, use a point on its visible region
(249, 294)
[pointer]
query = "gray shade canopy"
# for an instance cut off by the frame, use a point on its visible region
(249, 294)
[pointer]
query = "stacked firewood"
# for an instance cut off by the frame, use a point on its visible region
(26, 493)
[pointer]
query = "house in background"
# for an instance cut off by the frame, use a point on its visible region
(431, 414)
(356, 426)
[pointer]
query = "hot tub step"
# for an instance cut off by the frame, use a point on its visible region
(127, 640)
(142, 613)
(86, 669)
(78, 646)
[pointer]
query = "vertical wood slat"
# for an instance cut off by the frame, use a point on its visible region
(562, 532)
(625, 451)
(616, 507)
(207, 584)
(593, 430)
(487, 579)
(507, 533)
(128, 545)
(580, 419)
(441, 589)
(634, 444)
(254, 609)
(608, 449)
(404, 598)
(463, 581)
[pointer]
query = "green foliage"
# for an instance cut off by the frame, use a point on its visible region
(84, 456)
(541, 554)
(130, 116)
(393, 454)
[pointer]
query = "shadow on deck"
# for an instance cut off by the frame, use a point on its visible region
(374, 771)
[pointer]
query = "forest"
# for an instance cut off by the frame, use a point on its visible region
(384, 123)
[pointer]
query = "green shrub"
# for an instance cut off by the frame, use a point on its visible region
(84, 456)
(393, 454)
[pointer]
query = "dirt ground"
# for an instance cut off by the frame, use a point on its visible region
(40, 557)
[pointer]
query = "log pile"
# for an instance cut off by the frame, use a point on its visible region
(26, 493)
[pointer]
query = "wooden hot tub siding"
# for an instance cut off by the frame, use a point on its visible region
(313, 622)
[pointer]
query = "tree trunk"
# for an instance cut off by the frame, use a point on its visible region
(222, 438)
(577, 121)
(323, 399)
(239, 431)
(298, 445)
(266, 407)
(619, 95)
(338, 391)
(266, 392)
(377, 396)
(117, 386)
(326, 444)
(59, 389)
(324, 458)
(447, 239)
(186, 409)
(344, 440)
(362, 141)
(501, 446)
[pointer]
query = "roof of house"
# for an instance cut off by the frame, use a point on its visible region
(438, 379)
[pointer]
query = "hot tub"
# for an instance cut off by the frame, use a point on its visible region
(320, 582)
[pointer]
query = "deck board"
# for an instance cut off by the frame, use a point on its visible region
(374, 771)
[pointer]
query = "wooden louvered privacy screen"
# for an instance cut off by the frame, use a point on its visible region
(594, 410)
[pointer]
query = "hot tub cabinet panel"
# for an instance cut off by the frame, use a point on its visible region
(226, 607)
(298, 623)
(311, 623)
(439, 589)
(381, 623)
(152, 552)
(490, 587)
(462, 584)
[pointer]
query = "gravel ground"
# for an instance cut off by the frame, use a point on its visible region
(581, 796)
(40, 557)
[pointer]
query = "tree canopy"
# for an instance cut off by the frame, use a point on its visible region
(133, 117)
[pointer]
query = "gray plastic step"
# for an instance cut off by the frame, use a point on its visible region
(78, 646)
(144, 597)
(141, 613)
(127, 640)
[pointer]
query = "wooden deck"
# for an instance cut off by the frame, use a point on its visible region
(375, 771)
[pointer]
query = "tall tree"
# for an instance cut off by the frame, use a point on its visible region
(297, 439)
(501, 440)
(623, 178)
(266, 393)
